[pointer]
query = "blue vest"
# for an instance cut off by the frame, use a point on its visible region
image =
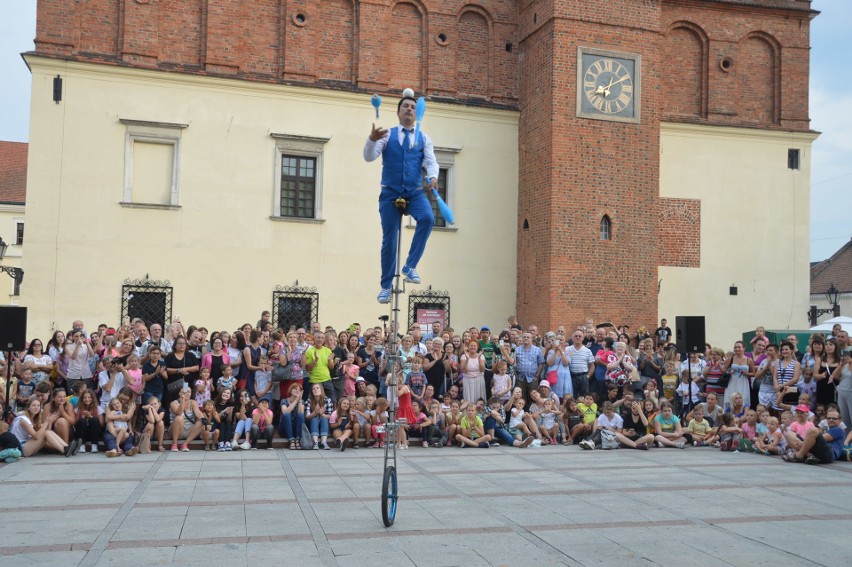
(402, 167)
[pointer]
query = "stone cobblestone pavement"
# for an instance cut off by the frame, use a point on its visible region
(501, 506)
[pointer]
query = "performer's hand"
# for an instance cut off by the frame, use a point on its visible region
(433, 184)
(378, 133)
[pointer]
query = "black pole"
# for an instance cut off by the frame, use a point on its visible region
(7, 410)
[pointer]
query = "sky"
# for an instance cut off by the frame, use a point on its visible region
(830, 109)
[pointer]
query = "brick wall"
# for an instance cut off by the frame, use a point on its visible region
(766, 50)
(679, 233)
(337, 43)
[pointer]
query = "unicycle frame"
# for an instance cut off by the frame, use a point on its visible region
(394, 369)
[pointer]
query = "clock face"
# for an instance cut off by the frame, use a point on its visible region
(608, 85)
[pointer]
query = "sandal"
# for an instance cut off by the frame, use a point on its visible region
(298, 444)
(792, 458)
(292, 444)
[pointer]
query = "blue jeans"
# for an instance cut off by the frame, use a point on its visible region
(290, 426)
(319, 426)
(420, 210)
(109, 441)
(243, 426)
(499, 432)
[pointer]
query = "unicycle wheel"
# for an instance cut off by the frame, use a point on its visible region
(389, 496)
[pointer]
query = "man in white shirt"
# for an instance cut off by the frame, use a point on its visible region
(582, 364)
(110, 382)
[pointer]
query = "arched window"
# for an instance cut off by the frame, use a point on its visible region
(606, 228)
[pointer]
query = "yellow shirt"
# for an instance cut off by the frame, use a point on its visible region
(320, 372)
(698, 428)
(590, 413)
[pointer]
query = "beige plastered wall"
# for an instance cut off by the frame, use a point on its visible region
(755, 228)
(10, 216)
(220, 249)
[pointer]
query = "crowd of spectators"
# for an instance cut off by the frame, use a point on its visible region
(128, 389)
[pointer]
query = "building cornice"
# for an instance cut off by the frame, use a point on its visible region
(438, 106)
(689, 130)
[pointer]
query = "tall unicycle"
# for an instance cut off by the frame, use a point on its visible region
(390, 486)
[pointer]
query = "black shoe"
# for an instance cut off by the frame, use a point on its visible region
(77, 443)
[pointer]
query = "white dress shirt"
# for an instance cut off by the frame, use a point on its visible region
(373, 150)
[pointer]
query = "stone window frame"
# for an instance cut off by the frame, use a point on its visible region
(296, 145)
(166, 133)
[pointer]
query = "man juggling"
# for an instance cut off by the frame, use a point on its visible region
(405, 153)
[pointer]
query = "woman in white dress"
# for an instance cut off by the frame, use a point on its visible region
(742, 370)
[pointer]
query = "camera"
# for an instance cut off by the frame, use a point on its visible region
(384, 318)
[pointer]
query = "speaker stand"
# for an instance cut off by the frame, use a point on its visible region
(7, 409)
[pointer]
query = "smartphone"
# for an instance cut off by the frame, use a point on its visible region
(502, 342)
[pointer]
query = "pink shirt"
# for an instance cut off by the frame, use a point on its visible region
(800, 429)
(748, 431)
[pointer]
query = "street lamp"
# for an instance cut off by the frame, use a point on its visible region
(15, 273)
(831, 295)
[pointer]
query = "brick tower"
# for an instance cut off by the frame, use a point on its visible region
(577, 171)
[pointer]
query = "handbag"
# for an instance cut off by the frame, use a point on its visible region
(145, 444)
(280, 373)
(552, 377)
(608, 439)
(307, 441)
(725, 379)
(176, 386)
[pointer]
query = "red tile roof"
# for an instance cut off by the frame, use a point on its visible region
(837, 270)
(13, 172)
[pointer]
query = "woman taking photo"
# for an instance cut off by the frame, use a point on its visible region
(558, 364)
(77, 354)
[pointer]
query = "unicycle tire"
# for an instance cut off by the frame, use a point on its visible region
(389, 496)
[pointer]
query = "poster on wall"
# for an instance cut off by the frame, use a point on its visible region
(425, 318)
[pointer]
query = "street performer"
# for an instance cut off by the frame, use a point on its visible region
(403, 191)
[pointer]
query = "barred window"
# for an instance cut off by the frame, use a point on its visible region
(298, 186)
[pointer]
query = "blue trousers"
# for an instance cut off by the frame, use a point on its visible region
(420, 210)
(290, 426)
(110, 443)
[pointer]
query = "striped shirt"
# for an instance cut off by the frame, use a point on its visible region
(580, 359)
